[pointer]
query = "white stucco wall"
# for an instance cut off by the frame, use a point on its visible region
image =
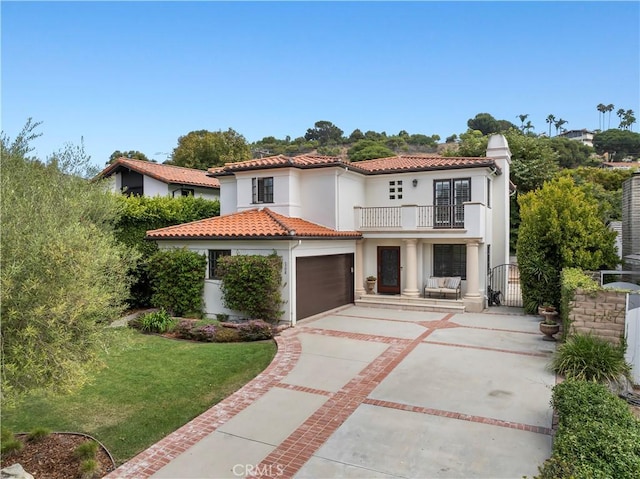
(153, 187)
(287, 250)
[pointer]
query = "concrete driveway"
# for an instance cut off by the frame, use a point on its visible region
(378, 393)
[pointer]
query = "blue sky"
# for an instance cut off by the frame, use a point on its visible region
(136, 76)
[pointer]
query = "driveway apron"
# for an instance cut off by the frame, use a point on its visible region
(371, 392)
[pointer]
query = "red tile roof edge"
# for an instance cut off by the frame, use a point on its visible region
(136, 165)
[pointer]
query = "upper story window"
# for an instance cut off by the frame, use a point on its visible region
(449, 196)
(488, 192)
(395, 190)
(262, 190)
(187, 192)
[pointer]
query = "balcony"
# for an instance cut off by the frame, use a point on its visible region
(469, 216)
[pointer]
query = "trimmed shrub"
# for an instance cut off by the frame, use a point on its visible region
(255, 330)
(590, 358)
(177, 280)
(185, 329)
(156, 322)
(205, 333)
(141, 214)
(597, 437)
(88, 468)
(227, 335)
(251, 284)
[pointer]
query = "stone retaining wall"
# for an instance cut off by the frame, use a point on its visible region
(601, 314)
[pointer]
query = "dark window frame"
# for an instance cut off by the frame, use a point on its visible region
(262, 189)
(449, 196)
(450, 260)
(213, 256)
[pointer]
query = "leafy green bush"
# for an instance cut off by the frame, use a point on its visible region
(589, 358)
(156, 322)
(560, 227)
(251, 284)
(141, 214)
(177, 280)
(38, 434)
(255, 330)
(597, 437)
(86, 450)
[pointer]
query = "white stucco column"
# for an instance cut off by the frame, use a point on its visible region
(473, 300)
(358, 269)
(411, 263)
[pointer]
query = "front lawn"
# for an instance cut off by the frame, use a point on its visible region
(149, 387)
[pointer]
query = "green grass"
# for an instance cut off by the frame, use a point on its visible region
(149, 387)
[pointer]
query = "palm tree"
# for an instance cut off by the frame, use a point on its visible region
(620, 114)
(601, 108)
(609, 108)
(522, 119)
(628, 119)
(558, 124)
(528, 126)
(550, 119)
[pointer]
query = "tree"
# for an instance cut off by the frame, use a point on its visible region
(609, 108)
(533, 160)
(63, 274)
(485, 123)
(572, 154)
(356, 135)
(550, 119)
(368, 150)
(602, 108)
(618, 144)
(558, 124)
(204, 149)
(325, 133)
(528, 127)
(560, 228)
(131, 154)
(627, 119)
(522, 119)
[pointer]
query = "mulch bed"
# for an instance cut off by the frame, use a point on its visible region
(52, 457)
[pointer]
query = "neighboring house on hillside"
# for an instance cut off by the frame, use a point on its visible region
(621, 165)
(144, 178)
(402, 219)
(631, 223)
(584, 136)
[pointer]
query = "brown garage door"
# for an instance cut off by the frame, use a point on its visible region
(323, 283)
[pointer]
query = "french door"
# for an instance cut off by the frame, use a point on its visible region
(389, 269)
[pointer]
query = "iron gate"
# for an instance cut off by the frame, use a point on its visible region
(503, 286)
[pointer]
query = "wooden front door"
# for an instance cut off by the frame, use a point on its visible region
(389, 269)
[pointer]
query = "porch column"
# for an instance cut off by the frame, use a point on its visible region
(358, 269)
(473, 300)
(411, 262)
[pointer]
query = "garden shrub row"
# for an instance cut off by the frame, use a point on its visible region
(597, 436)
(194, 330)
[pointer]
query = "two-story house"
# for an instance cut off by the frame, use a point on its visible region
(401, 219)
(145, 178)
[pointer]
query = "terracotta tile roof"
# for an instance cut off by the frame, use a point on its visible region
(417, 163)
(165, 173)
(368, 167)
(251, 224)
(279, 161)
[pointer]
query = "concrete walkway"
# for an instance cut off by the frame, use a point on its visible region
(378, 393)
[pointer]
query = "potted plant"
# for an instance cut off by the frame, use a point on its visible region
(371, 283)
(549, 326)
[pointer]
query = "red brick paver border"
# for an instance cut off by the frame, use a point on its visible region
(291, 455)
(161, 453)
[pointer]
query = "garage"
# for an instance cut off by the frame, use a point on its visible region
(323, 283)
